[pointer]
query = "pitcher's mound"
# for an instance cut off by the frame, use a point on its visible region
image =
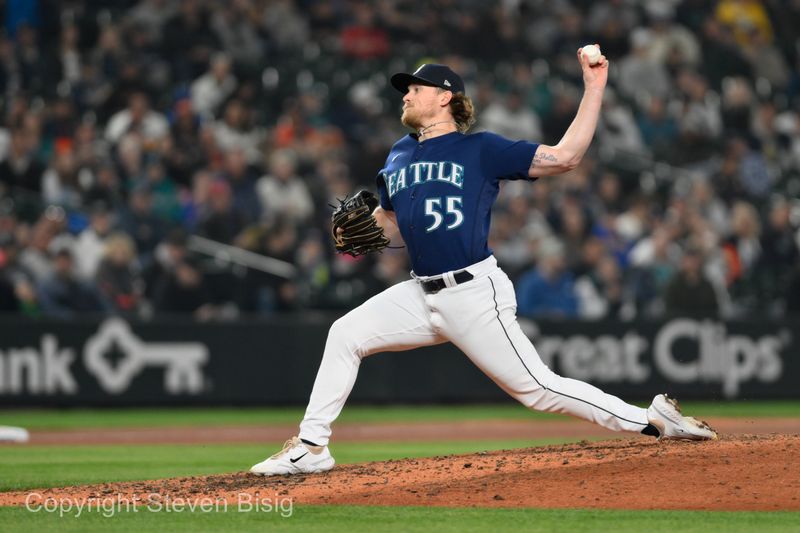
(743, 472)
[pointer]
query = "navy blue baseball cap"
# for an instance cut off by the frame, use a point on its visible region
(429, 74)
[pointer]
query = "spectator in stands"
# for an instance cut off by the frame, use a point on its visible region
(165, 194)
(364, 38)
(700, 121)
(117, 276)
(21, 170)
(106, 188)
(779, 255)
(235, 28)
(689, 292)
(701, 198)
(236, 130)
(766, 60)
(572, 223)
(722, 57)
(658, 128)
(184, 290)
(282, 192)
(63, 295)
(548, 291)
(138, 118)
(742, 250)
(213, 87)
(184, 154)
(314, 269)
(189, 31)
(287, 27)
(60, 183)
(737, 107)
(672, 43)
(242, 180)
(152, 15)
(91, 151)
(90, 245)
(640, 75)
(140, 222)
(600, 292)
(17, 279)
(223, 222)
(744, 16)
(172, 250)
(617, 130)
(654, 261)
(37, 244)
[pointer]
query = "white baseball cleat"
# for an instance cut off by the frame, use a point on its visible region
(296, 457)
(665, 414)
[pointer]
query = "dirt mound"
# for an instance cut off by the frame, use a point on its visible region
(743, 472)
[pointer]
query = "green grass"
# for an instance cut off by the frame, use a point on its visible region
(28, 467)
(93, 418)
(349, 519)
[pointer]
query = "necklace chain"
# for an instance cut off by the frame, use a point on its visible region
(423, 131)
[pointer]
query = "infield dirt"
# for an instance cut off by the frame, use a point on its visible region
(738, 472)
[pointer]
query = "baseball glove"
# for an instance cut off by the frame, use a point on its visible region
(360, 233)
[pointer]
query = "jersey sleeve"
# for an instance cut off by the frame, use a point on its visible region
(383, 193)
(504, 159)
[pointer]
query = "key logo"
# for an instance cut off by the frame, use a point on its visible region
(182, 361)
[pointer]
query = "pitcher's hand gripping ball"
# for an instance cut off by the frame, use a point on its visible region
(360, 233)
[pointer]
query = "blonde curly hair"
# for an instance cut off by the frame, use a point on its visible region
(463, 111)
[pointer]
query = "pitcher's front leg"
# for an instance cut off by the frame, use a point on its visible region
(391, 321)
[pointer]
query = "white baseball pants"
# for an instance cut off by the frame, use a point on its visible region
(479, 317)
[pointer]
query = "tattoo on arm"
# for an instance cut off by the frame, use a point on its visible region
(539, 157)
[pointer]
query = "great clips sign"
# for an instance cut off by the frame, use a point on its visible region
(724, 359)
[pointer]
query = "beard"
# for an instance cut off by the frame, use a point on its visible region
(410, 119)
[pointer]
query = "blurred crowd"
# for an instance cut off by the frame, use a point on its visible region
(133, 131)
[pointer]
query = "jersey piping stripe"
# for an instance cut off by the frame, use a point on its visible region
(497, 310)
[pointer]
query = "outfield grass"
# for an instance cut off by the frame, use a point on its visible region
(93, 418)
(349, 519)
(27, 467)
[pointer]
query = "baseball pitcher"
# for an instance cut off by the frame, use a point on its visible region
(437, 188)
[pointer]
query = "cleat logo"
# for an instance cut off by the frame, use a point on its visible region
(298, 458)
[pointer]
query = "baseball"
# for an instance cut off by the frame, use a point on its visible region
(592, 53)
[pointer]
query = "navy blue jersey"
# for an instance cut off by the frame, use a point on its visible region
(442, 191)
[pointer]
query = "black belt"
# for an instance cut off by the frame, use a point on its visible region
(435, 285)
